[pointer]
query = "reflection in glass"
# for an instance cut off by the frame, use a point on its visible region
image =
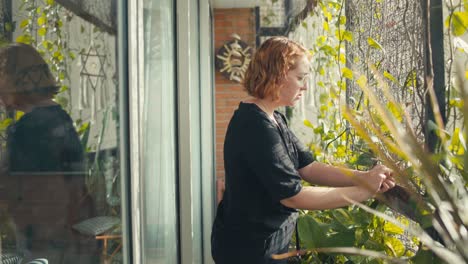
(59, 179)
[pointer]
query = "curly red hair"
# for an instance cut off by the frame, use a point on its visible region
(270, 65)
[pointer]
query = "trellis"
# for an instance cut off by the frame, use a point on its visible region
(390, 36)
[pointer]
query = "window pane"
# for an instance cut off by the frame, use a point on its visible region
(159, 227)
(60, 177)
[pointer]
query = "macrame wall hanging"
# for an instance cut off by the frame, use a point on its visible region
(94, 90)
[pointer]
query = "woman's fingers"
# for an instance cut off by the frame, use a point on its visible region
(387, 184)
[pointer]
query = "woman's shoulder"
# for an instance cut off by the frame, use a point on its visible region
(44, 118)
(249, 114)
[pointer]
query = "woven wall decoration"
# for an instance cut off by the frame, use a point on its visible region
(233, 58)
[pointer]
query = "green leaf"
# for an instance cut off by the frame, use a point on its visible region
(341, 239)
(425, 256)
(365, 159)
(50, 2)
(62, 101)
(328, 50)
(63, 88)
(61, 76)
(347, 73)
(374, 44)
(71, 55)
(8, 27)
(340, 214)
(459, 23)
(312, 231)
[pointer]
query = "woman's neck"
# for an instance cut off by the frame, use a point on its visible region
(266, 105)
(29, 107)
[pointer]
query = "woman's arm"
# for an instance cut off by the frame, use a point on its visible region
(318, 198)
(327, 175)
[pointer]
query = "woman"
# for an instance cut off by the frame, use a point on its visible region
(265, 163)
(44, 138)
(44, 184)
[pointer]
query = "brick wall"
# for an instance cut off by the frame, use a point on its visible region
(228, 94)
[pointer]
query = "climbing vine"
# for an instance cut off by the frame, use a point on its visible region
(42, 28)
(362, 136)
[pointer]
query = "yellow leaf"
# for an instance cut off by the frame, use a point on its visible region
(308, 123)
(466, 74)
(348, 36)
(18, 115)
(340, 151)
(392, 228)
(321, 40)
(459, 23)
(342, 58)
(41, 20)
(344, 35)
(42, 31)
(374, 44)
(395, 245)
(325, 26)
(347, 73)
(26, 39)
(362, 81)
(5, 123)
(390, 77)
(24, 23)
(455, 136)
(342, 20)
(395, 110)
(321, 71)
(327, 14)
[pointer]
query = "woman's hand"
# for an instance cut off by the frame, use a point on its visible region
(379, 179)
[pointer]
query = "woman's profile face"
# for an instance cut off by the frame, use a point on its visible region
(295, 83)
